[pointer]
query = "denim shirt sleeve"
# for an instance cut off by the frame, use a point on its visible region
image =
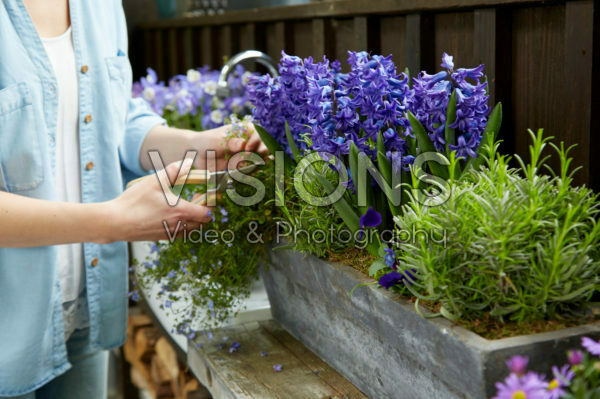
(140, 120)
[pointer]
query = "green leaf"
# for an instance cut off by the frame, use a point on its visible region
(274, 146)
(292, 143)
(385, 168)
(342, 207)
(360, 183)
(426, 145)
(353, 159)
(450, 119)
(490, 132)
(376, 266)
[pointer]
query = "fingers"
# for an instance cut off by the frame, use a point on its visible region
(254, 142)
(236, 145)
(195, 213)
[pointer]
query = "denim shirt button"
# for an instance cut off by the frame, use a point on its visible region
(89, 166)
(84, 69)
(94, 262)
(88, 118)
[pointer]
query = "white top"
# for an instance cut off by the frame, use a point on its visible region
(61, 53)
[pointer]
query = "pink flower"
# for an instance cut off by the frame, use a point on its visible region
(592, 346)
(575, 357)
(530, 386)
(517, 364)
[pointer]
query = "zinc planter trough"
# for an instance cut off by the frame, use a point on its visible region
(381, 344)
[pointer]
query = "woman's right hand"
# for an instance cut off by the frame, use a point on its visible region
(142, 212)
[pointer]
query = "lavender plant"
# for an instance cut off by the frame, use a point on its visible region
(520, 245)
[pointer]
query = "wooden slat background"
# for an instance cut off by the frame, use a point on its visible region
(540, 55)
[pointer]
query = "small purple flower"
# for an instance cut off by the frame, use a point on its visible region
(592, 346)
(530, 386)
(447, 62)
(277, 367)
(263, 354)
(192, 334)
(390, 257)
(394, 278)
(575, 357)
(168, 303)
(234, 347)
(209, 335)
(517, 364)
(371, 218)
(171, 274)
(562, 378)
(154, 248)
(134, 295)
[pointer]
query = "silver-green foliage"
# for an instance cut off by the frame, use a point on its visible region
(520, 244)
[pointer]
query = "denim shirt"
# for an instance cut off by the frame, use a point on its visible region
(112, 127)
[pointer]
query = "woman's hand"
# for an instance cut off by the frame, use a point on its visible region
(174, 143)
(143, 213)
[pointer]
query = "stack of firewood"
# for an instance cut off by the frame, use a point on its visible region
(154, 365)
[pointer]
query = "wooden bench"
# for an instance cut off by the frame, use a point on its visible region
(248, 373)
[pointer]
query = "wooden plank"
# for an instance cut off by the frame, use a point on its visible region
(248, 37)
(347, 8)
(579, 28)
(303, 35)
(392, 34)
(159, 47)
(276, 39)
(172, 52)
(361, 34)
(188, 49)
(484, 51)
(453, 34)
(419, 43)
(248, 374)
(225, 44)
(206, 47)
(538, 75)
(318, 38)
(318, 366)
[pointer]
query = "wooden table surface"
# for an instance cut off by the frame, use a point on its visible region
(249, 374)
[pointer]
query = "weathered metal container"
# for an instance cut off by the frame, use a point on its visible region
(380, 343)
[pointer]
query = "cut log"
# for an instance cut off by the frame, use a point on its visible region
(145, 340)
(158, 371)
(168, 357)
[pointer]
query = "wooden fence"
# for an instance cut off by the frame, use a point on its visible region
(540, 56)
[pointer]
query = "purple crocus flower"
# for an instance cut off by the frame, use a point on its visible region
(530, 386)
(592, 346)
(518, 364)
(277, 367)
(575, 357)
(371, 218)
(168, 303)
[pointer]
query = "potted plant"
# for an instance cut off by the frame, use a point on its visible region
(503, 249)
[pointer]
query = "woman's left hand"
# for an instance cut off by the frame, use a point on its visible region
(216, 140)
